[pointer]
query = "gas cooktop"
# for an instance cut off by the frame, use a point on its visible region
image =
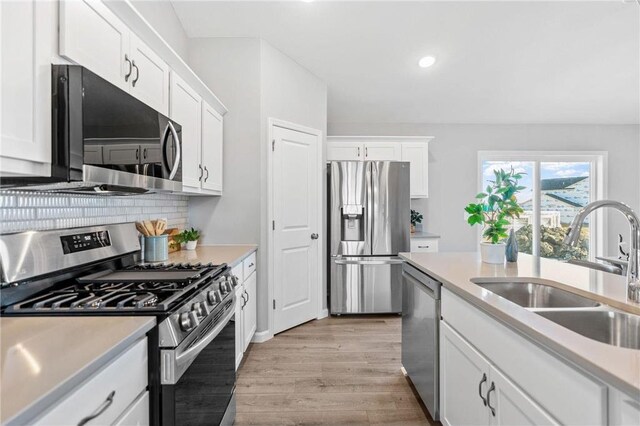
(142, 287)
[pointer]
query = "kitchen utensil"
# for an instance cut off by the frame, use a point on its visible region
(141, 229)
(151, 232)
(161, 225)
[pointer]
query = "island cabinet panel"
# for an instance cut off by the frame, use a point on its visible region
(623, 409)
(464, 380)
(564, 393)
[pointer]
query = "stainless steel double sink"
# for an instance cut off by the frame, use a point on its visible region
(572, 311)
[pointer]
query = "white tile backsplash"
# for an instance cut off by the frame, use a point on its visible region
(27, 211)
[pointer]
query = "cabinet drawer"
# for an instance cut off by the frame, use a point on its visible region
(238, 271)
(137, 414)
(249, 264)
(424, 245)
(561, 390)
(126, 376)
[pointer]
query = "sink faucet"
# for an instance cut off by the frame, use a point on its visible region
(573, 233)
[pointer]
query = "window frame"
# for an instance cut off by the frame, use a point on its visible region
(598, 187)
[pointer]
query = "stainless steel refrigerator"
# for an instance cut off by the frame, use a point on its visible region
(368, 220)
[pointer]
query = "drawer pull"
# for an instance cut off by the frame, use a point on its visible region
(423, 246)
(101, 409)
(491, 389)
(251, 265)
(484, 379)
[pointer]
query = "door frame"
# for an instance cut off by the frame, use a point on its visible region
(274, 122)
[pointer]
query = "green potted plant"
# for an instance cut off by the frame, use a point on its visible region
(189, 237)
(416, 218)
(493, 209)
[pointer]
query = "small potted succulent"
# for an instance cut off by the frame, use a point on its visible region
(495, 206)
(189, 237)
(416, 218)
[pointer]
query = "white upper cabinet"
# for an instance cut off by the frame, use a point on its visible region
(212, 131)
(344, 151)
(94, 37)
(415, 150)
(417, 153)
(382, 151)
(186, 110)
(149, 76)
(26, 54)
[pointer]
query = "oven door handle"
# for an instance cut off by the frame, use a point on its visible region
(173, 364)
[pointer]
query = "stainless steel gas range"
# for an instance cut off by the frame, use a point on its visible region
(94, 271)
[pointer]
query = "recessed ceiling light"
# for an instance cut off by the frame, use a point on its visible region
(426, 62)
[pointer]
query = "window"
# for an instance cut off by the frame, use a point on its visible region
(557, 185)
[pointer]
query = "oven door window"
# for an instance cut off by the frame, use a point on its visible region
(203, 392)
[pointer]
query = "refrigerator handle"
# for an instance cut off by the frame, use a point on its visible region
(343, 261)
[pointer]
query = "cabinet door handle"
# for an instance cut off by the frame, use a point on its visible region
(135, 80)
(144, 153)
(128, 74)
(201, 172)
(484, 379)
(137, 153)
(366, 151)
(206, 170)
(244, 301)
(358, 152)
(491, 389)
(245, 292)
(101, 409)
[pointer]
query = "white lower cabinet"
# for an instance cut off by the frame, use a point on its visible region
(137, 414)
(108, 394)
(250, 308)
(424, 245)
(464, 380)
(525, 384)
(246, 305)
(476, 393)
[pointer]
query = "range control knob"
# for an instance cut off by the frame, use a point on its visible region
(188, 320)
(224, 287)
(234, 280)
(200, 308)
(213, 297)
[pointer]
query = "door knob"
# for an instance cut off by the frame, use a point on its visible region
(314, 236)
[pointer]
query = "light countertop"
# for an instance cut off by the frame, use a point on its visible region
(216, 254)
(420, 234)
(44, 358)
(620, 367)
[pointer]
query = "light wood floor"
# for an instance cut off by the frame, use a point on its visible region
(336, 371)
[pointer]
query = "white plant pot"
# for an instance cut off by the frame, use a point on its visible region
(492, 253)
(191, 245)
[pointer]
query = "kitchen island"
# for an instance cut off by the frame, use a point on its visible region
(567, 378)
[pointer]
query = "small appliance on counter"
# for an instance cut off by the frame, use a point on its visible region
(93, 271)
(105, 141)
(368, 221)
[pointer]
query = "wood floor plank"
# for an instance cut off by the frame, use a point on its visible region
(335, 371)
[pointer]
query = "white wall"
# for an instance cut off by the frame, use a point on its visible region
(231, 68)
(453, 157)
(163, 19)
(255, 82)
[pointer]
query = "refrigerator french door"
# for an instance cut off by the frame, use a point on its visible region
(369, 214)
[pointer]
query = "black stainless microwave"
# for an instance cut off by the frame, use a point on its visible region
(105, 141)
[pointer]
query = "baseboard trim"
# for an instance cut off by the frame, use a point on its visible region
(262, 336)
(323, 314)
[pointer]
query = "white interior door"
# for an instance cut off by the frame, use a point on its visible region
(296, 207)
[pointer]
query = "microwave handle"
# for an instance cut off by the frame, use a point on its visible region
(176, 163)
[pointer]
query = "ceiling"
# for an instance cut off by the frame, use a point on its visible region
(497, 62)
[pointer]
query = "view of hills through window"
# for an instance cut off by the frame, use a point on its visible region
(565, 187)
